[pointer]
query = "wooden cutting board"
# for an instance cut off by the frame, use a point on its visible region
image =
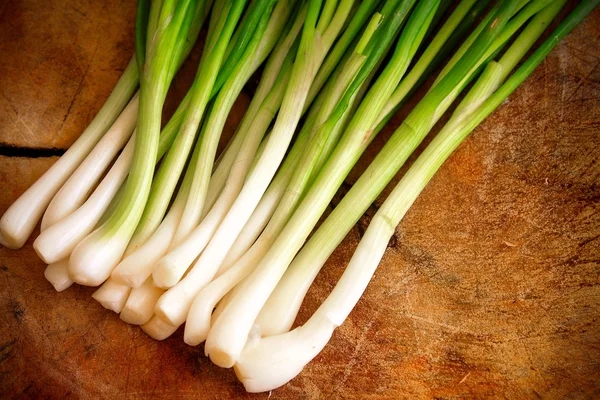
(489, 289)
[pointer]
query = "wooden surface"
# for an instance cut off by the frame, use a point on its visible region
(490, 288)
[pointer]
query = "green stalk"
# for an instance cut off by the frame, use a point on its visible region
(206, 147)
(94, 257)
(224, 343)
(309, 260)
(362, 15)
(168, 174)
(187, 38)
(175, 303)
(171, 129)
(476, 106)
(444, 43)
(428, 56)
(439, 15)
(269, 76)
(260, 367)
(532, 7)
(241, 40)
(141, 29)
(169, 132)
(326, 15)
(154, 85)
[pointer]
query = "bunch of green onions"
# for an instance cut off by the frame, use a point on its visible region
(174, 235)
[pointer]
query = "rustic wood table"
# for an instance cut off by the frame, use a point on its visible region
(490, 287)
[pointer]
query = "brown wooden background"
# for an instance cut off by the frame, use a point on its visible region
(490, 288)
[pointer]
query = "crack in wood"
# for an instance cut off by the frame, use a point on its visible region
(30, 152)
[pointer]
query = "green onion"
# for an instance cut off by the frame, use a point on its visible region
(57, 274)
(20, 219)
(223, 345)
(135, 269)
(268, 78)
(112, 296)
(77, 188)
(280, 310)
(172, 307)
(96, 255)
(170, 170)
(158, 329)
(57, 241)
(323, 136)
(267, 364)
(232, 244)
(205, 150)
(139, 307)
(172, 266)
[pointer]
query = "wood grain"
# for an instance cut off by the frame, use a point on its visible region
(489, 289)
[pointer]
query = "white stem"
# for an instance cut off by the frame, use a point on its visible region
(59, 240)
(279, 312)
(172, 267)
(270, 362)
(197, 324)
(224, 301)
(138, 266)
(175, 304)
(88, 270)
(158, 329)
(258, 221)
(58, 275)
(77, 188)
(199, 317)
(112, 296)
(221, 172)
(273, 361)
(139, 307)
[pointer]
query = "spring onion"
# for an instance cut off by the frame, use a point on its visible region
(94, 257)
(260, 46)
(315, 41)
(57, 274)
(280, 310)
(224, 345)
(272, 361)
(230, 245)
